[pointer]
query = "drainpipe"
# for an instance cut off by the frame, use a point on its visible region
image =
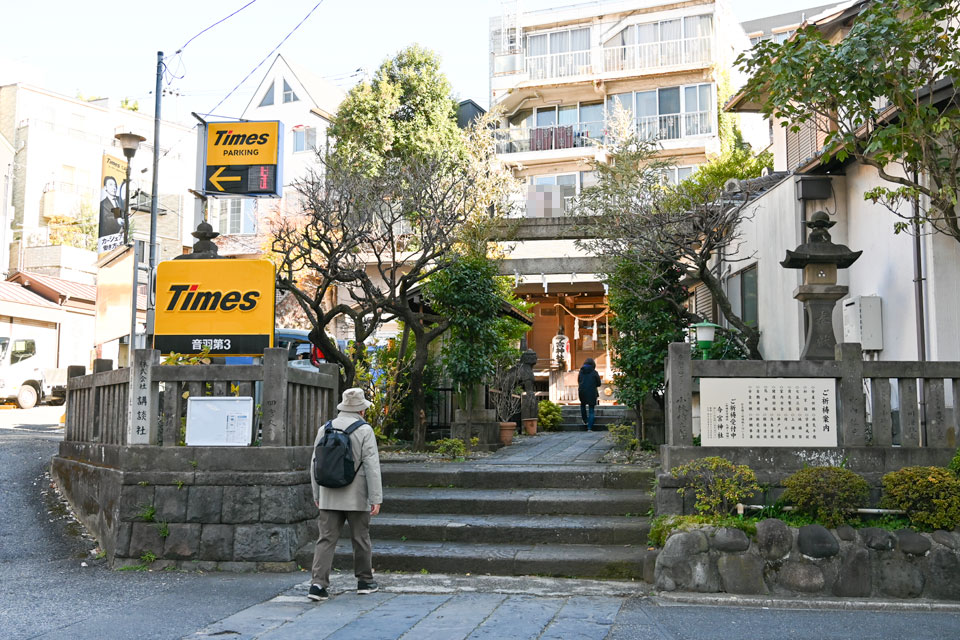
(918, 301)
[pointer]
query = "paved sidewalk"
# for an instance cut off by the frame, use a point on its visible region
(562, 447)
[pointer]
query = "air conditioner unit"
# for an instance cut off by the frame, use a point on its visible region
(862, 322)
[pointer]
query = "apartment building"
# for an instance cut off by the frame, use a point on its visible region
(558, 75)
(56, 147)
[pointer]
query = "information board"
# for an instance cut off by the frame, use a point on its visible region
(768, 412)
(220, 421)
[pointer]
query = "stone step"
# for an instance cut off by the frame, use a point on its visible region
(600, 409)
(599, 502)
(518, 529)
(508, 476)
(584, 561)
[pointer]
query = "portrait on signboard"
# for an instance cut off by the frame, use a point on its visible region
(110, 234)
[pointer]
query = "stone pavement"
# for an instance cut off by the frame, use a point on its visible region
(446, 607)
(553, 448)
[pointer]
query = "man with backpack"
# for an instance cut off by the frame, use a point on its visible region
(345, 475)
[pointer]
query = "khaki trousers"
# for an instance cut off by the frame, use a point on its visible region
(330, 524)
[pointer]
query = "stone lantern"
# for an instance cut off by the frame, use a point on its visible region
(819, 258)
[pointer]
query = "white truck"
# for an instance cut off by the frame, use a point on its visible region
(23, 376)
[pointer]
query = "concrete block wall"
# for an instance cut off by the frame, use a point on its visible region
(225, 508)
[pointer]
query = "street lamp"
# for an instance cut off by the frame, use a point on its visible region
(706, 331)
(130, 142)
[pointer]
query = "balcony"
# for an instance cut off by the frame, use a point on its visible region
(672, 126)
(634, 58)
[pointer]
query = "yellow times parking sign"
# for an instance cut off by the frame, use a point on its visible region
(224, 305)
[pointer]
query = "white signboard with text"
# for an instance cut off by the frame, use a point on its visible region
(768, 412)
(220, 421)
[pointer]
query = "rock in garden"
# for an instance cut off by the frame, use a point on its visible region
(879, 539)
(912, 542)
(801, 576)
(684, 564)
(943, 575)
(946, 538)
(774, 539)
(899, 577)
(855, 576)
(846, 533)
(815, 541)
(729, 539)
(742, 573)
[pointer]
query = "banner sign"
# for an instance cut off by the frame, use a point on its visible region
(110, 233)
(768, 412)
(226, 306)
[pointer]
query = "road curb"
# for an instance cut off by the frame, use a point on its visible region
(833, 604)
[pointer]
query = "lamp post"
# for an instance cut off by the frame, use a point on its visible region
(130, 142)
(706, 332)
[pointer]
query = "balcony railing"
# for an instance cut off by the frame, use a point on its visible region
(586, 134)
(657, 55)
(559, 65)
(634, 57)
(518, 140)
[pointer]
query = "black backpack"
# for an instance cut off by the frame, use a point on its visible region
(333, 462)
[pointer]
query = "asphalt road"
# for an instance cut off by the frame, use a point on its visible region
(46, 592)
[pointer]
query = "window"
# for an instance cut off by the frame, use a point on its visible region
(675, 175)
(559, 53)
(22, 350)
(237, 216)
(304, 139)
(288, 94)
(553, 195)
(656, 44)
(267, 97)
(742, 292)
(672, 112)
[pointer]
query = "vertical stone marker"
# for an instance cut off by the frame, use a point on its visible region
(142, 414)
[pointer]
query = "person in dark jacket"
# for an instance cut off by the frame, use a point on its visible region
(588, 381)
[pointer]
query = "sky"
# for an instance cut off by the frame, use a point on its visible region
(104, 48)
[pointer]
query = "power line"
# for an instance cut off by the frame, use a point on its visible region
(213, 25)
(267, 57)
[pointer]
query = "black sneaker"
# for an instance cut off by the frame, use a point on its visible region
(317, 593)
(364, 588)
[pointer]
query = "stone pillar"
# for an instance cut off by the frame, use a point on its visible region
(819, 301)
(679, 413)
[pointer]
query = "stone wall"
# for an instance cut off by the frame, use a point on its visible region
(812, 560)
(226, 508)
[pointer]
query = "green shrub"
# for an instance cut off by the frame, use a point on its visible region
(717, 484)
(662, 526)
(548, 415)
(622, 436)
(929, 495)
(826, 494)
(451, 447)
(955, 464)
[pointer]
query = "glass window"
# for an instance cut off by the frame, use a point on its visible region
(684, 172)
(690, 99)
(304, 139)
(22, 349)
(706, 97)
(669, 100)
(567, 115)
(697, 27)
(267, 97)
(537, 45)
(646, 103)
(288, 94)
(237, 215)
(648, 33)
(670, 30)
(749, 297)
(580, 39)
(589, 179)
(625, 38)
(591, 112)
(625, 100)
(541, 180)
(560, 42)
(546, 117)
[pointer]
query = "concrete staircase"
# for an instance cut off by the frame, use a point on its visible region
(605, 415)
(507, 519)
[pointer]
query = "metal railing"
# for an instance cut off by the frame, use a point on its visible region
(568, 136)
(560, 65)
(676, 125)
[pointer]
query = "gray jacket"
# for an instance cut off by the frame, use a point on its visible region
(366, 488)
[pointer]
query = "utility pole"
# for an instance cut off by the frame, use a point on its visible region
(151, 301)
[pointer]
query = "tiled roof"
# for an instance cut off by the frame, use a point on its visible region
(13, 292)
(67, 288)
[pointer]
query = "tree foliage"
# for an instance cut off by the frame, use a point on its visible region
(885, 95)
(686, 229)
(644, 303)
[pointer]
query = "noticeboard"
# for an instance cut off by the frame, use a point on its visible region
(225, 306)
(244, 159)
(768, 412)
(219, 421)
